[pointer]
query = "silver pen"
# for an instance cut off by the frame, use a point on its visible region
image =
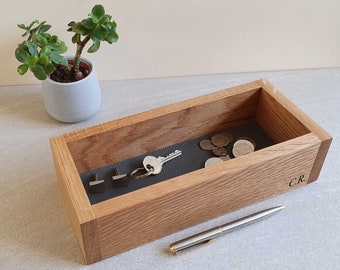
(210, 235)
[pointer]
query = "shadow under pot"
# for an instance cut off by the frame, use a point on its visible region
(76, 101)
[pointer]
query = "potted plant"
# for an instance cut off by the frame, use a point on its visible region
(70, 86)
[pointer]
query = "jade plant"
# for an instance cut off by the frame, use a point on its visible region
(41, 52)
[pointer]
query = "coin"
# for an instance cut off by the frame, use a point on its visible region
(242, 147)
(212, 161)
(220, 151)
(220, 140)
(224, 158)
(206, 145)
(249, 139)
(229, 136)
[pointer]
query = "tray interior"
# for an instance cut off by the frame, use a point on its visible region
(192, 158)
(251, 112)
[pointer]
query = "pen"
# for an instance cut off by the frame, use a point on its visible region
(210, 235)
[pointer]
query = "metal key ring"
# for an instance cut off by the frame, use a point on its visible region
(140, 176)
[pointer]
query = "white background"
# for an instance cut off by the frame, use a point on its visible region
(176, 38)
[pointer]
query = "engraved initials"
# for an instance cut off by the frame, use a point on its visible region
(297, 180)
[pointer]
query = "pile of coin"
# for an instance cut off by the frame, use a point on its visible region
(218, 143)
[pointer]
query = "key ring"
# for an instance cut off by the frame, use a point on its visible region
(134, 174)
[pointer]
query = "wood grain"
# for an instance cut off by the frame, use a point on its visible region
(80, 211)
(290, 122)
(149, 131)
(156, 211)
(133, 219)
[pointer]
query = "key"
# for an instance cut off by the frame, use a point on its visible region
(157, 163)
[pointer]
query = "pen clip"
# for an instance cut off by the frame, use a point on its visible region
(175, 249)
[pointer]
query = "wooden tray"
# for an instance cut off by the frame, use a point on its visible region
(135, 218)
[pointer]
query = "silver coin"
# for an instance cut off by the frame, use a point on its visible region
(248, 139)
(225, 158)
(207, 145)
(220, 151)
(220, 140)
(242, 147)
(212, 161)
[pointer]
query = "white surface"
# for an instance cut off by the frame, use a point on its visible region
(35, 232)
(191, 37)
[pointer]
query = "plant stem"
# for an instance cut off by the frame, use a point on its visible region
(80, 47)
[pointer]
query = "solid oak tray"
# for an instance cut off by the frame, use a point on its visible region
(123, 222)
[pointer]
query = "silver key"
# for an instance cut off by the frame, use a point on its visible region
(154, 163)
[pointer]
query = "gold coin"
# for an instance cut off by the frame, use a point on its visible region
(207, 145)
(242, 147)
(220, 140)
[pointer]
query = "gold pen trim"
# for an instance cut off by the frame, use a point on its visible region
(172, 250)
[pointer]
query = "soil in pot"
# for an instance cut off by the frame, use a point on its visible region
(68, 74)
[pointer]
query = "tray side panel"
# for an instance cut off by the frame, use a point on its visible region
(77, 204)
(146, 132)
(90, 238)
(320, 159)
(277, 120)
(181, 202)
(290, 122)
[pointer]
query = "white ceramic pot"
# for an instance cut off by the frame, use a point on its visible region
(75, 101)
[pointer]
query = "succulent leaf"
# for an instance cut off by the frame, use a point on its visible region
(88, 24)
(97, 13)
(22, 69)
(95, 47)
(49, 68)
(112, 37)
(32, 48)
(21, 54)
(44, 28)
(58, 59)
(44, 59)
(39, 72)
(32, 60)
